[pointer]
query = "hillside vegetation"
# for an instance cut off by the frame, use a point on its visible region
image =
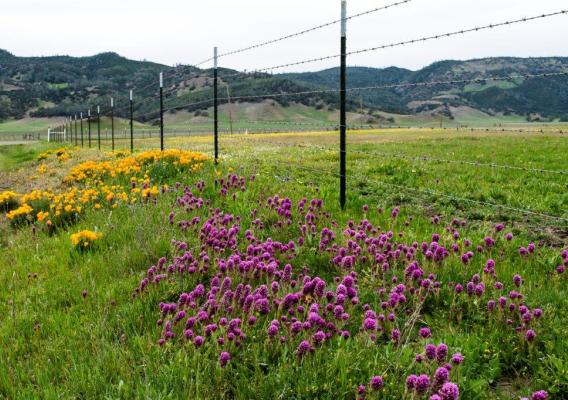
(63, 85)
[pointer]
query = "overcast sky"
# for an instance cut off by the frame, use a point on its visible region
(184, 31)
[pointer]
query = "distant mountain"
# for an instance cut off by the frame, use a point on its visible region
(547, 97)
(63, 85)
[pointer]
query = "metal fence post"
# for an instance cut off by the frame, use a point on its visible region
(99, 126)
(89, 125)
(112, 121)
(215, 106)
(343, 115)
(161, 111)
(81, 121)
(131, 124)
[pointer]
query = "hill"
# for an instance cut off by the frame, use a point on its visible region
(62, 85)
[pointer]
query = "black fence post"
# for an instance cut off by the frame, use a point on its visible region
(75, 119)
(112, 122)
(215, 106)
(131, 124)
(89, 125)
(343, 115)
(99, 126)
(81, 121)
(161, 111)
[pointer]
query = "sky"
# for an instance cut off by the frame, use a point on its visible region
(185, 31)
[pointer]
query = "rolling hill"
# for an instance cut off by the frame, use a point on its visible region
(61, 85)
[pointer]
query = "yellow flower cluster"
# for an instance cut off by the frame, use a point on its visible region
(42, 215)
(175, 156)
(62, 154)
(98, 184)
(85, 238)
(8, 199)
(118, 153)
(98, 171)
(19, 213)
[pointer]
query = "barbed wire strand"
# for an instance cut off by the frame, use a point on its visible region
(303, 32)
(414, 41)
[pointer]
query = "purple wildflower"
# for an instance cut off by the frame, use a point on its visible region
(303, 347)
(430, 351)
(224, 358)
(441, 375)
(425, 332)
(411, 381)
(422, 384)
(376, 382)
(441, 352)
(540, 395)
(457, 358)
(449, 391)
(530, 335)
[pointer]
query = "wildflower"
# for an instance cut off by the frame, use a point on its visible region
(85, 238)
(425, 332)
(441, 375)
(395, 212)
(449, 391)
(303, 347)
(430, 351)
(198, 341)
(369, 324)
(224, 359)
(376, 382)
(422, 384)
(441, 352)
(411, 381)
(318, 337)
(530, 335)
(457, 358)
(395, 335)
(540, 395)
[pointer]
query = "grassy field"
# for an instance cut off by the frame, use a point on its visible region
(85, 324)
(269, 116)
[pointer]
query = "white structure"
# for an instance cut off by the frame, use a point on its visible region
(56, 136)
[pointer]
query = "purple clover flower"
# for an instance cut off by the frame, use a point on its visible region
(376, 382)
(224, 359)
(540, 395)
(449, 391)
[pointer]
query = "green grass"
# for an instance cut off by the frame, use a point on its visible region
(56, 344)
(13, 156)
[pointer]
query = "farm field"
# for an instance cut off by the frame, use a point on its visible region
(166, 276)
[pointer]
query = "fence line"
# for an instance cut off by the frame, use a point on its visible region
(179, 72)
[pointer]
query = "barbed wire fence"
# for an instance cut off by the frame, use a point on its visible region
(169, 93)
